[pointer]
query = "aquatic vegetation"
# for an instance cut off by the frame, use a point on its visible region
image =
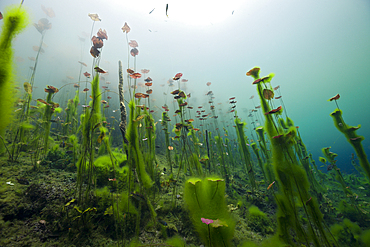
(90, 123)
(291, 177)
(15, 21)
(347, 233)
(354, 139)
(83, 218)
(258, 221)
(205, 199)
(56, 159)
(50, 108)
(123, 122)
(135, 154)
(164, 124)
(72, 178)
(104, 168)
(245, 151)
(269, 242)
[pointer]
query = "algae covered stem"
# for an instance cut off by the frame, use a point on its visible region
(123, 123)
(15, 21)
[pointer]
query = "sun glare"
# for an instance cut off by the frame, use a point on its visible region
(201, 12)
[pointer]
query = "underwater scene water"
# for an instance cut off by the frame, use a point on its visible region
(184, 123)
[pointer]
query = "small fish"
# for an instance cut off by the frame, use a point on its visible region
(166, 9)
(232, 12)
(112, 179)
(151, 11)
(269, 187)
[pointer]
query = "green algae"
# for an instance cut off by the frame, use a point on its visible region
(355, 140)
(15, 21)
(205, 199)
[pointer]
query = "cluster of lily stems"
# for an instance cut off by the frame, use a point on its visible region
(278, 154)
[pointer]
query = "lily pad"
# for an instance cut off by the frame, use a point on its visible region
(218, 223)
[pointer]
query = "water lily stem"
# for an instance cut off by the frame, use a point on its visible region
(209, 236)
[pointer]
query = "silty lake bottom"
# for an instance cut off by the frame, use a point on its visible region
(184, 124)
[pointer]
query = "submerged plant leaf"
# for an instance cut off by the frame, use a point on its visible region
(126, 28)
(94, 17)
(37, 48)
(101, 137)
(109, 211)
(102, 34)
(100, 70)
(27, 126)
(97, 42)
(134, 52)
(43, 101)
(43, 24)
(27, 88)
(51, 89)
(89, 210)
(78, 209)
(84, 64)
(94, 52)
(97, 126)
(139, 118)
(133, 44)
(218, 223)
(268, 94)
(48, 11)
(69, 203)
(138, 95)
(135, 75)
(336, 97)
(277, 110)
